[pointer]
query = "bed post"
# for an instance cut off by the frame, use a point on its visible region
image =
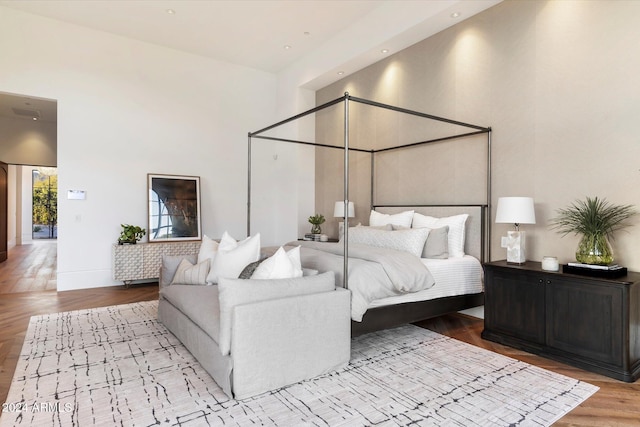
(372, 184)
(488, 234)
(346, 193)
(249, 186)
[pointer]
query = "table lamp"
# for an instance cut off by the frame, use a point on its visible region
(515, 210)
(338, 212)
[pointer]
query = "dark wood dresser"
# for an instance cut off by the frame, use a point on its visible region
(589, 322)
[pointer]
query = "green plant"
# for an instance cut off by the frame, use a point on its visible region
(316, 219)
(131, 233)
(592, 217)
(596, 220)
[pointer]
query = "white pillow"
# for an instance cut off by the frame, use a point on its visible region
(456, 225)
(403, 219)
(189, 274)
(281, 265)
(233, 256)
(208, 249)
(407, 240)
(233, 292)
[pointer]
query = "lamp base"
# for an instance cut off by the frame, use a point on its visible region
(515, 244)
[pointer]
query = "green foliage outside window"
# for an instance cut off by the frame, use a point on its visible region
(45, 199)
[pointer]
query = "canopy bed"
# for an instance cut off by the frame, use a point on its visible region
(457, 280)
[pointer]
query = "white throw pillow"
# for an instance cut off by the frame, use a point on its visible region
(403, 219)
(233, 256)
(281, 265)
(208, 249)
(233, 292)
(456, 234)
(189, 274)
(406, 240)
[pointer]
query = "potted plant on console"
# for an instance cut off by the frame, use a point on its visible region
(316, 220)
(596, 220)
(130, 234)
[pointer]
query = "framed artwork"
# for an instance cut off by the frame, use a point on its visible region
(174, 208)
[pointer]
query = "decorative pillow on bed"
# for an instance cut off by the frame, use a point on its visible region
(189, 274)
(456, 225)
(407, 240)
(437, 244)
(387, 227)
(233, 256)
(281, 265)
(403, 219)
(208, 249)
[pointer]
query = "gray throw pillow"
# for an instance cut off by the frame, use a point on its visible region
(247, 272)
(437, 244)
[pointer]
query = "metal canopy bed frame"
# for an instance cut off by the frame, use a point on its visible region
(393, 315)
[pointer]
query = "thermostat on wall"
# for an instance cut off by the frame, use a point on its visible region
(76, 195)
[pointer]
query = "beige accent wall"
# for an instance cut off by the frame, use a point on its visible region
(558, 83)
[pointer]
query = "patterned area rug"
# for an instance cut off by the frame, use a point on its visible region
(118, 366)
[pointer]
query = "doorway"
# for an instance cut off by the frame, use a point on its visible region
(28, 136)
(45, 203)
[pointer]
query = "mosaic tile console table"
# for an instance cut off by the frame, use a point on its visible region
(142, 261)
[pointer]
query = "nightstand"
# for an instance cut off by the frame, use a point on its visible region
(592, 323)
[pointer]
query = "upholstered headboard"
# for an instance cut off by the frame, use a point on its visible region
(476, 229)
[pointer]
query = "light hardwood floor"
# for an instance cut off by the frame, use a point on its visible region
(615, 404)
(30, 267)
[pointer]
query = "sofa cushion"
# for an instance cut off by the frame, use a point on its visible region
(281, 265)
(189, 274)
(208, 249)
(232, 257)
(170, 265)
(233, 292)
(199, 303)
(249, 269)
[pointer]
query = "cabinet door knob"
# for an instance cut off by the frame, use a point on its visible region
(540, 281)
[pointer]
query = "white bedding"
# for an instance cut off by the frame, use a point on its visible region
(453, 276)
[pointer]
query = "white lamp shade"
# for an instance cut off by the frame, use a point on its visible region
(515, 210)
(338, 210)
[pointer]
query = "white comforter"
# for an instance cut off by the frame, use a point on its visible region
(374, 273)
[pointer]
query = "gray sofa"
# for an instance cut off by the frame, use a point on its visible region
(254, 336)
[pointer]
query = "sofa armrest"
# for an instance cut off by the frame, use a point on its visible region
(280, 342)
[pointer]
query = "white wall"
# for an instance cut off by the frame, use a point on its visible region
(125, 109)
(11, 206)
(24, 204)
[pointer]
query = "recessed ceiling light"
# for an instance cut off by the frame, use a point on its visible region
(171, 11)
(35, 118)
(455, 14)
(385, 51)
(287, 47)
(340, 73)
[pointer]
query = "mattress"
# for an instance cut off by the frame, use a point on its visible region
(453, 276)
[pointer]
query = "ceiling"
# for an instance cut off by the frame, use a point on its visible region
(268, 35)
(26, 108)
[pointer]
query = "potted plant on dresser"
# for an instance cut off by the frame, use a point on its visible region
(595, 220)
